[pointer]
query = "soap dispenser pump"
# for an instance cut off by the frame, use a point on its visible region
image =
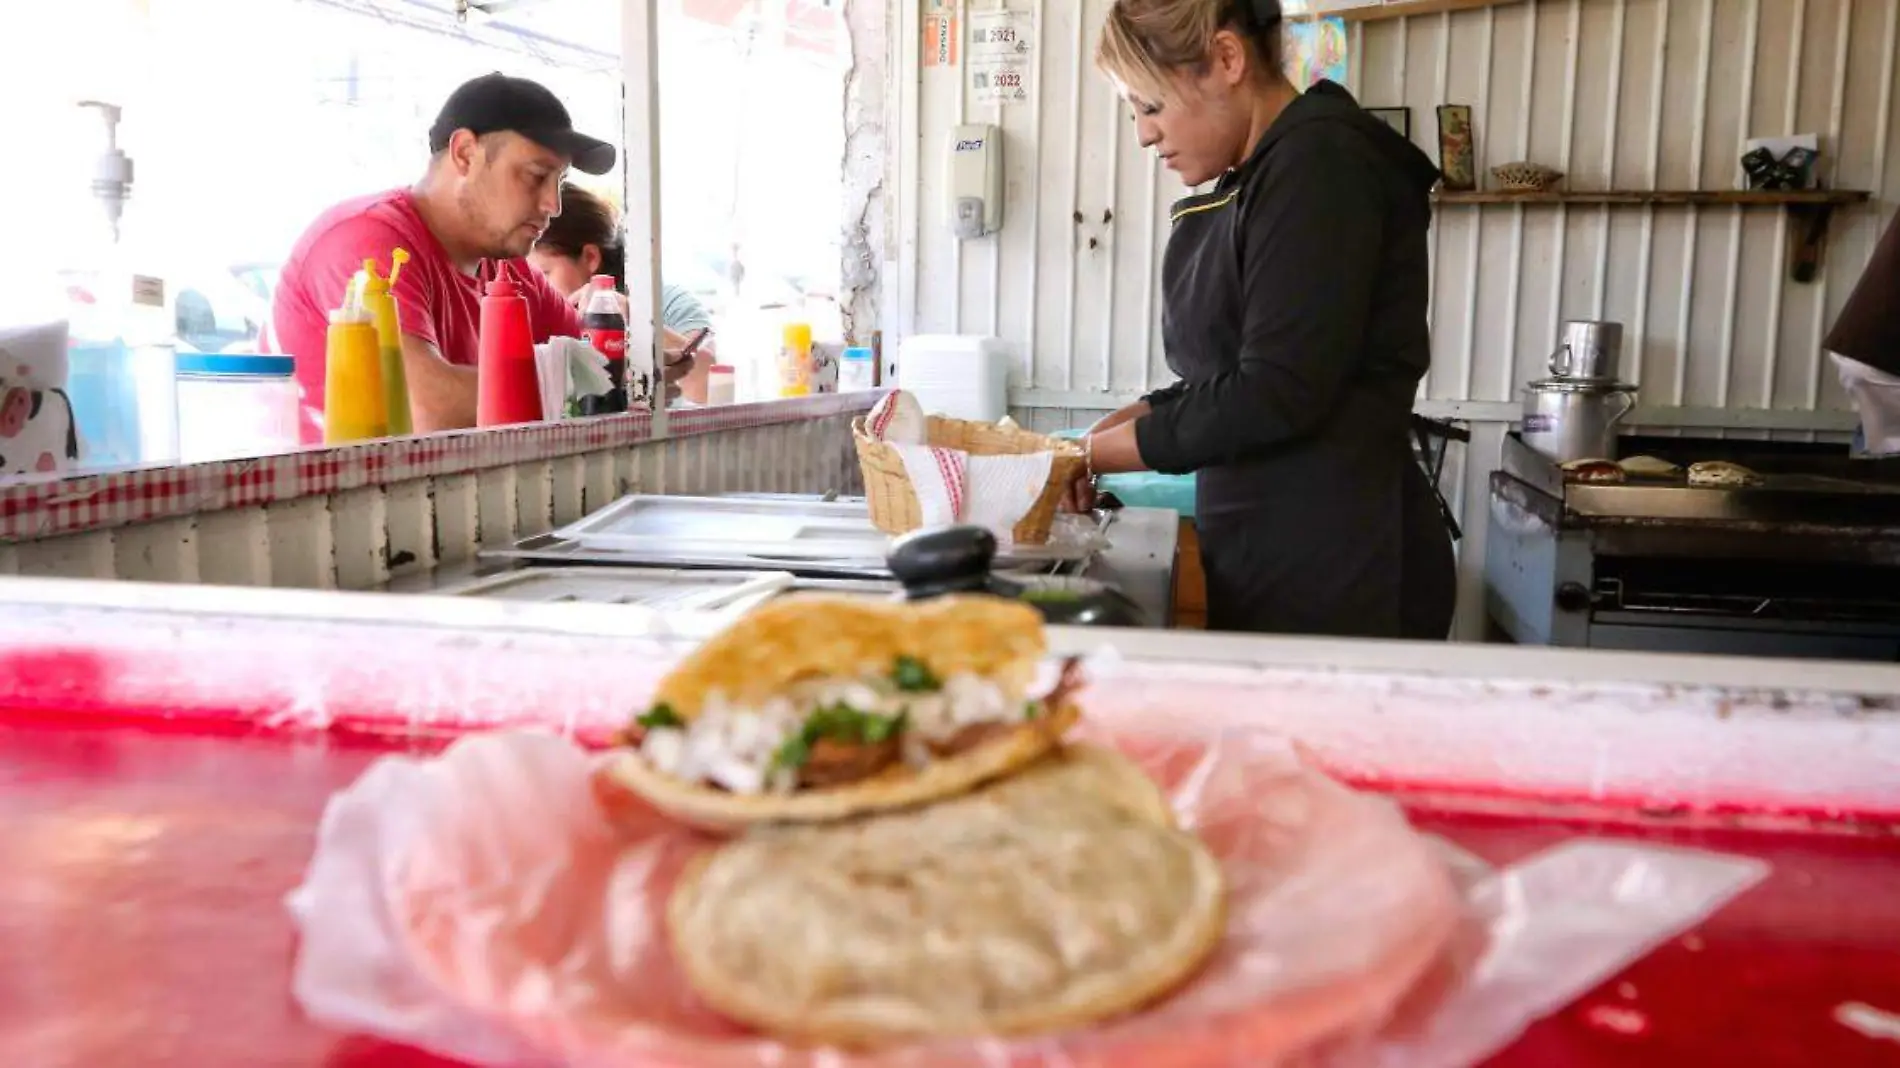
(112, 171)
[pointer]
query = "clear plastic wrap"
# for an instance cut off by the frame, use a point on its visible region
(501, 905)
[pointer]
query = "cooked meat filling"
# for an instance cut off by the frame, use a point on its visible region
(831, 731)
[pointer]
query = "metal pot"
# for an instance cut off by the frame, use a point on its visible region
(1566, 419)
(1588, 349)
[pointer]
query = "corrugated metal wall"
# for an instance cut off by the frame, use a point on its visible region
(1619, 94)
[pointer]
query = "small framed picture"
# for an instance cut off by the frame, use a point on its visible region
(1457, 151)
(1399, 119)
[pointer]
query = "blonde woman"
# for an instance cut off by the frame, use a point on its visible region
(1294, 311)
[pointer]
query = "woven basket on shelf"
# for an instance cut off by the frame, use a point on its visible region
(1524, 176)
(893, 502)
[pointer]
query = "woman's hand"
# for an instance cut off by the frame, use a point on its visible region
(578, 300)
(1079, 495)
(692, 381)
(673, 353)
(683, 373)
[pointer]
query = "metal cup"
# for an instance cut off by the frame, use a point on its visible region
(1588, 349)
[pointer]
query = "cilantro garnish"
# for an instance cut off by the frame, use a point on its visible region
(884, 728)
(912, 675)
(794, 753)
(660, 715)
(840, 722)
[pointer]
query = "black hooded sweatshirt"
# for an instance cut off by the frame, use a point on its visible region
(1294, 311)
(1869, 327)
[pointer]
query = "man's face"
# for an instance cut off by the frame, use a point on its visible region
(509, 189)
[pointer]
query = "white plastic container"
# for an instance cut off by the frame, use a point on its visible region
(963, 377)
(125, 401)
(231, 407)
(855, 370)
(722, 384)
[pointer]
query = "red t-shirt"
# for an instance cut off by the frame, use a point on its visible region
(438, 303)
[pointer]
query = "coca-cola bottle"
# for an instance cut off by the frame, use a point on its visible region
(604, 326)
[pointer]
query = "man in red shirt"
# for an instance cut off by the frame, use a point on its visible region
(500, 148)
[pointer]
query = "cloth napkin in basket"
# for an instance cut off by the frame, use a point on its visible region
(953, 486)
(898, 420)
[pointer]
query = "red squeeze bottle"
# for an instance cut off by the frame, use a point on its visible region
(508, 385)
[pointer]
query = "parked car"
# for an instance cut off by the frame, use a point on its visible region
(214, 309)
(259, 278)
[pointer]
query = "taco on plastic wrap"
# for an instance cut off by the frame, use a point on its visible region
(815, 708)
(1048, 900)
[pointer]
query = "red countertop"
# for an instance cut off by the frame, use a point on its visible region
(143, 870)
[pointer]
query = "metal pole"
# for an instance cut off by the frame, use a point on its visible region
(640, 162)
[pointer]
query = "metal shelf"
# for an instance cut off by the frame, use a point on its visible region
(1369, 10)
(1697, 197)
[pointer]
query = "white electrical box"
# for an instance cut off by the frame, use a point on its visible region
(976, 181)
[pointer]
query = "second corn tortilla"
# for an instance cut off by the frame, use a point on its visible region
(1052, 899)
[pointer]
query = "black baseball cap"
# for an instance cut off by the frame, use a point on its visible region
(495, 102)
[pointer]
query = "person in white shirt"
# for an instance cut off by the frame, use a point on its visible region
(1865, 345)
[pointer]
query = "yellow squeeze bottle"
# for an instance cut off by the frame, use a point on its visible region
(381, 305)
(794, 361)
(354, 407)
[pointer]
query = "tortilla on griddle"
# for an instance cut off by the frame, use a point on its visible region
(1593, 470)
(814, 641)
(1721, 473)
(1650, 467)
(1049, 900)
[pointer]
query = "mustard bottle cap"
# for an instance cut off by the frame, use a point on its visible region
(373, 284)
(353, 310)
(371, 278)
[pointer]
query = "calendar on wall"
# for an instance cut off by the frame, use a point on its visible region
(1001, 56)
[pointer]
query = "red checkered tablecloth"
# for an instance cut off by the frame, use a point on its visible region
(43, 507)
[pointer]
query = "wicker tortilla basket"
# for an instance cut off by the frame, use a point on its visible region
(893, 503)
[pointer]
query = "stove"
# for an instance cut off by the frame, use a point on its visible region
(1804, 564)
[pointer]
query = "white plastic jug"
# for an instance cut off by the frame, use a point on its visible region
(960, 376)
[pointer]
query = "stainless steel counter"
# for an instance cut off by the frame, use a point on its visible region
(1139, 559)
